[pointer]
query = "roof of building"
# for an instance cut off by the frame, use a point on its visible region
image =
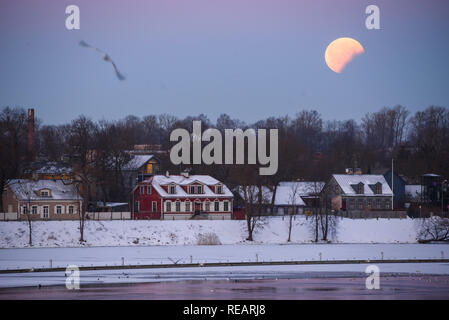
(53, 168)
(161, 180)
(413, 191)
(25, 189)
(137, 161)
(347, 181)
(289, 193)
(111, 204)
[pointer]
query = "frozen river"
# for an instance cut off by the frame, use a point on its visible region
(110, 256)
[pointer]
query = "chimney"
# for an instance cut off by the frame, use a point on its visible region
(30, 148)
(167, 174)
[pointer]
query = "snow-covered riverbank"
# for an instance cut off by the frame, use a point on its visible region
(155, 232)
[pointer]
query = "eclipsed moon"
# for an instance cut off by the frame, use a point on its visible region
(340, 52)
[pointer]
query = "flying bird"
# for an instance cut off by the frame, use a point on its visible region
(106, 58)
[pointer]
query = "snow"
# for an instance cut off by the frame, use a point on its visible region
(147, 255)
(28, 189)
(160, 180)
(136, 162)
(413, 191)
(346, 181)
(220, 273)
(273, 230)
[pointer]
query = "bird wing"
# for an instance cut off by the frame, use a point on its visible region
(106, 58)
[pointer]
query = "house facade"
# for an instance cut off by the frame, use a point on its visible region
(358, 192)
(139, 168)
(173, 197)
(41, 199)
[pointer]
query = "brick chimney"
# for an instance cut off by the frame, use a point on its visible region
(30, 147)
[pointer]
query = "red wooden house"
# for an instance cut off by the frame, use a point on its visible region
(172, 197)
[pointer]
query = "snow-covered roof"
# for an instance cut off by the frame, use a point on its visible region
(289, 193)
(304, 188)
(286, 195)
(29, 189)
(207, 181)
(54, 168)
(111, 204)
(347, 181)
(413, 191)
(136, 162)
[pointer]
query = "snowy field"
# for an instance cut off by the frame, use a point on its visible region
(186, 232)
(139, 255)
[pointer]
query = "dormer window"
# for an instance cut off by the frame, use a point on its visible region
(172, 189)
(359, 188)
(378, 188)
(199, 189)
(45, 193)
(219, 189)
(192, 190)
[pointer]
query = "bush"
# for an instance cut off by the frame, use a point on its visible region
(207, 239)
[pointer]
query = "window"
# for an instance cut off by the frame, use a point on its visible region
(142, 190)
(387, 204)
(71, 211)
(187, 206)
(45, 211)
(149, 190)
(378, 203)
(34, 210)
(360, 188)
(171, 189)
(192, 189)
(360, 204)
(199, 189)
(207, 206)
(178, 206)
(351, 204)
(45, 193)
(226, 206)
(378, 188)
(154, 206)
(136, 206)
(217, 206)
(370, 203)
(58, 209)
(219, 189)
(168, 206)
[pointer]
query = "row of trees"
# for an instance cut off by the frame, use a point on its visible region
(310, 148)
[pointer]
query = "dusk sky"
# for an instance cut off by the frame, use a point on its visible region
(248, 58)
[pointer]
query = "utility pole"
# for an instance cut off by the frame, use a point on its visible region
(392, 184)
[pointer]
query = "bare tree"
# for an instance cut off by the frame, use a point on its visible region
(433, 229)
(25, 188)
(13, 153)
(293, 201)
(80, 149)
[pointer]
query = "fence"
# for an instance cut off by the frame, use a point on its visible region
(373, 214)
(13, 216)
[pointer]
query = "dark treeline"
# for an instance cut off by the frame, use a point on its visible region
(310, 147)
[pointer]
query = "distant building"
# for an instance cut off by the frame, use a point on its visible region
(42, 199)
(399, 184)
(349, 192)
(292, 197)
(173, 197)
(51, 171)
(139, 168)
